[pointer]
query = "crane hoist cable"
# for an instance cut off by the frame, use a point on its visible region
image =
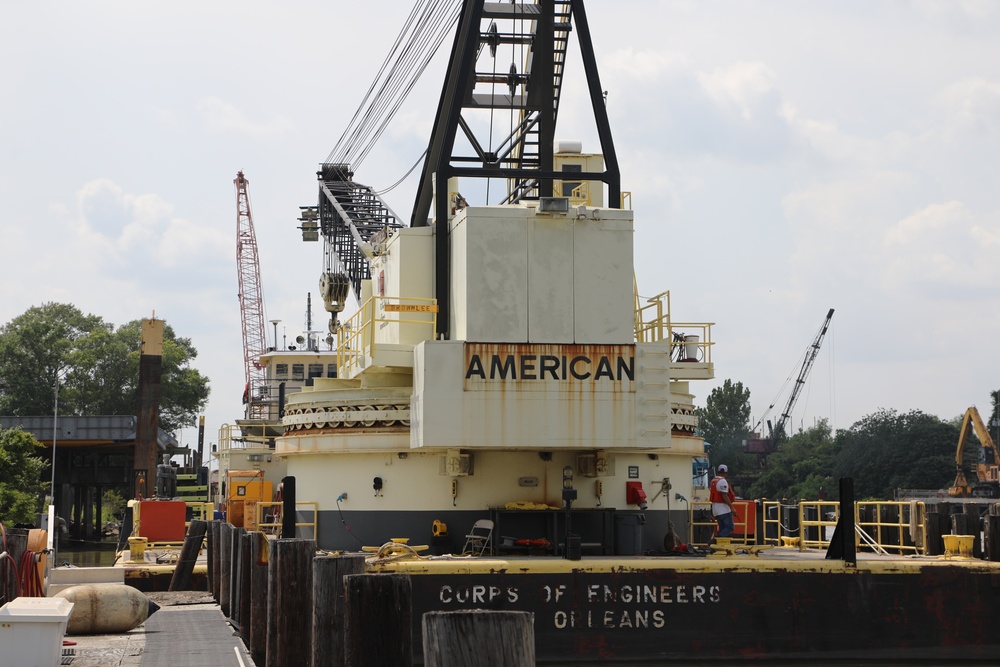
(420, 61)
(423, 33)
(383, 101)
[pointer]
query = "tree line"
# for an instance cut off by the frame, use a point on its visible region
(94, 367)
(884, 451)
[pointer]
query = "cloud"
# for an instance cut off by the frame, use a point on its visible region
(742, 87)
(973, 9)
(222, 117)
(943, 251)
(971, 106)
(135, 234)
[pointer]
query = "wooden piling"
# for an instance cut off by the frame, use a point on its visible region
(382, 601)
(328, 607)
(246, 540)
(258, 597)
(293, 596)
(225, 565)
(991, 533)
(271, 634)
(973, 511)
(234, 575)
(479, 638)
(181, 578)
(213, 559)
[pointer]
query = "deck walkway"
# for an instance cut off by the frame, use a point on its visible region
(189, 630)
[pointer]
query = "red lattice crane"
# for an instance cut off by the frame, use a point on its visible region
(251, 303)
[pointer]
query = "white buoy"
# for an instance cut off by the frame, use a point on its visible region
(106, 608)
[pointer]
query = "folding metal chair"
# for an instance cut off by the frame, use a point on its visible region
(480, 538)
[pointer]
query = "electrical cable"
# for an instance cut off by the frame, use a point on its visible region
(346, 527)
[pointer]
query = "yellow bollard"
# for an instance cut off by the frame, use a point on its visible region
(137, 549)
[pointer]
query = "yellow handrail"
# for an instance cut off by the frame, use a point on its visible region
(273, 527)
(356, 337)
(889, 524)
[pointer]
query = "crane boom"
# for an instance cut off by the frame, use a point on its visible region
(251, 302)
(800, 381)
(987, 483)
(777, 433)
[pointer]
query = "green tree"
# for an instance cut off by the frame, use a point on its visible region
(34, 350)
(888, 450)
(99, 365)
(724, 423)
(111, 359)
(801, 468)
(21, 482)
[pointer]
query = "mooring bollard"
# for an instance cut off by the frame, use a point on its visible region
(382, 602)
(329, 607)
(479, 638)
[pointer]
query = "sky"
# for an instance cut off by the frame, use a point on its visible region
(783, 158)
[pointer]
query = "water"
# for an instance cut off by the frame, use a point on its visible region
(87, 554)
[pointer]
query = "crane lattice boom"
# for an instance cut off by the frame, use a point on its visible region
(777, 433)
(251, 302)
(803, 374)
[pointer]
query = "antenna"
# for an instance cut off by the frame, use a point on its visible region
(276, 323)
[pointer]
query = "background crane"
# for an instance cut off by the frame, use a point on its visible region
(251, 303)
(777, 433)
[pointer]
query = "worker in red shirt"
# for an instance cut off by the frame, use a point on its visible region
(722, 497)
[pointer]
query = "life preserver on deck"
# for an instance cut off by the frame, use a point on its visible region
(541, 543)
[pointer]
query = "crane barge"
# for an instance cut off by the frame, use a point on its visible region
(503, 392)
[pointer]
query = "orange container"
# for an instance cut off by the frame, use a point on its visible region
(162, 520)
(747, 523)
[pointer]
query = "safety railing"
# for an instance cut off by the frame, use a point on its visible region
(201, 511)
(268, 517)
(880, 526)
(702, 525)
(690, 341)
(356, 338)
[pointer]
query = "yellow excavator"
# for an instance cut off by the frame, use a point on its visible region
(987, 483)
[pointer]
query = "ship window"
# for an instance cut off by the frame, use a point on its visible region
(315, 370)
(281, 370)
(568, 187)
(331, 370)
(298, 371)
